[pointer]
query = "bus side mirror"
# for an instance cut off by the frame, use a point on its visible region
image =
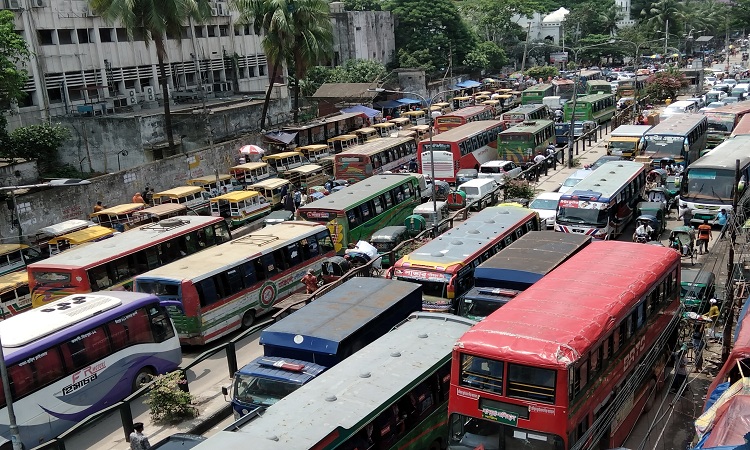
(741, 186)
(224, 391)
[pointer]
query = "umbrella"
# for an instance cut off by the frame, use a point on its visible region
(489, 80)
(251, 150)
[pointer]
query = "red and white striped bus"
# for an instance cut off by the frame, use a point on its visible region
(573, 361)
(463, 116)
(465, 147)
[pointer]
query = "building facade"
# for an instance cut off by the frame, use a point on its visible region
(362, 35)
(82, 64)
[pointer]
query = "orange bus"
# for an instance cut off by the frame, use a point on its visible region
(463, 116)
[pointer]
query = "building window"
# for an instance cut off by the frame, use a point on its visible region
(250, 72)
(122, 35)
(46, 37)
(261, 70)
(27, 100)
(248, 30)
(83, 36)
(238, 31)
(212, 31)
(105, 34)
(186, 32)
(223, 30)
(54, 95)
(65, 36)
(198, 32)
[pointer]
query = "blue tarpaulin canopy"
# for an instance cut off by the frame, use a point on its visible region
(360, 109)
(468, 84)
(387, 104)
(409, 101)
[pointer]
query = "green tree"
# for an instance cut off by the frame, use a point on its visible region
(664, 85)
(273, 19)
(611, 15)
(492, 20)
(430, 33)
(584, 19)
(313, 40)
(663, 13)
(13, 55)
(542, 72)
(39, 142)
(486, 56)
(362, 5)
(155, 20)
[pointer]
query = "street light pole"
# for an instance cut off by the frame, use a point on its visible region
(15, 436)
(430, 123)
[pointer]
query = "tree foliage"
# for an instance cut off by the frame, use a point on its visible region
(353, 71)
(39, 142)
(492, 20)
(664, 85)
(429, 32)
(362, 5)
(542, 72)
(13, 55)
(486, 56)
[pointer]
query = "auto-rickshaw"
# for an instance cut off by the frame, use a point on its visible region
(655, 210)
(431, 219)
(673, 185)
(657, 177)
(442, 189)
(386, 239)
(334, 268)
(682, 239)
(415, 224)
(456, 200)
(661, 195)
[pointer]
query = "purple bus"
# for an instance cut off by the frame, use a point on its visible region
(78, 355)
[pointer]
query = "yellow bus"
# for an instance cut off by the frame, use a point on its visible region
(401, 122)
(416, 117)
(462, 102)
(163, 211)
(193, 197)
(272, 189)
(16, 256)
(314, 152)
(214, 188)
(385, 129)
(240, 207)
(15, 295)
(285, 160)
(306, 176)
(339, 144)
(250, 173)
(90, 234)
(366, 134)
(119, 215)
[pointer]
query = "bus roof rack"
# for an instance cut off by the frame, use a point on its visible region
(256, 239)
(166, 224)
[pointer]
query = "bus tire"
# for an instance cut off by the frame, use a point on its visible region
(143, 377)
(248, 319)
(436, 445)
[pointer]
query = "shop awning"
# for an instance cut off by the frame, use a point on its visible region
(387, 104)
(409, 101)
(468, 84)
(280, 136)
(361, 109)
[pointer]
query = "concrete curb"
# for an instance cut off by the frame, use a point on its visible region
(210, 421)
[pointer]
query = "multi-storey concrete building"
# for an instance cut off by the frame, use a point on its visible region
(82, 64)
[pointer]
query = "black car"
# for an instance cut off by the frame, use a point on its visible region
(603, 160)
(179, 441)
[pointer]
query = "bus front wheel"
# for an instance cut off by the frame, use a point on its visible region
(248, 319)
(142, 378)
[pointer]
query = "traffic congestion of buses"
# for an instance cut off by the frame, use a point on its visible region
(471, 342)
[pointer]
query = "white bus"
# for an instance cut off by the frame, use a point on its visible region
(710, 181)
(603, 204)
(78, 355)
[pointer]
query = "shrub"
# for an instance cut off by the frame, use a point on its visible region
(518, 188)
(168, 401)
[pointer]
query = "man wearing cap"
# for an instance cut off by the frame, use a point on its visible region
(310, 281)
(138, 441)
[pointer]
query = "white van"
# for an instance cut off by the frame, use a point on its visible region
(499, 170)
(681, 107)
(476, 189)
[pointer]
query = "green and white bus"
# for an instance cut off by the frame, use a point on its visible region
(533, 95)
(596, 107)
(598, 87)
(225, 287)
(392, 394)
(523, 141)
(357, 211)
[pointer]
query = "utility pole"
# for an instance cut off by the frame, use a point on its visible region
(525, 46)
(666, 37)
(726, 343)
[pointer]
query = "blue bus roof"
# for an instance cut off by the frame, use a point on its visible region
(263, 366)
(531, 257)
(606, 182)
(324, 324)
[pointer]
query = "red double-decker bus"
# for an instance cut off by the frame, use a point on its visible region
(570, 363)
(465, 147)
(463, 116)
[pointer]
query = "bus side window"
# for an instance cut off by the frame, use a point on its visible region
(378, 205)
(160, 325)
(206, 292)
(293, 254)
(222, 232)
(86, 348)
(324, 241)
(351, 216)
(126, 331)
(248, 273)
(233, 281)
(365, 211)
(388, 200)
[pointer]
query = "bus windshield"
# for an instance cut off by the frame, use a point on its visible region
(582, 216)
(437, 147)
(468, 433)
(261, 391)
(720, 122)
(710, 184)
(621, 145)
(158, 288)
(665, 145)
(516, 137)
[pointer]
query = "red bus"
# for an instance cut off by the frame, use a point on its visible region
(572, 362)
(464, 147)
(742, 127)
(463, 116)
(113, 262)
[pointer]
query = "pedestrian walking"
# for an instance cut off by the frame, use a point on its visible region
(310, 281)
(704, 235)
(698, 344)
(297, 199)
(721, 220)
(687, 216)
(680, 371)
(138, 441)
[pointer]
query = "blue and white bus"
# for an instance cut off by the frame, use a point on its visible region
(681, 137)
(602, 204)
(78, 355)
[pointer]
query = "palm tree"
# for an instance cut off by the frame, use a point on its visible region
(273, 19)
(156, 19)
(662, 11)
(313, 39)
